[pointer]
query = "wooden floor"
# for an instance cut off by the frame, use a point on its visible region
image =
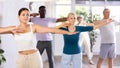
(85, 62)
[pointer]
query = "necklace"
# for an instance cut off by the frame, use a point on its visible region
(71, 28)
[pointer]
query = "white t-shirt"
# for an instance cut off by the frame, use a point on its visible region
(108, 34)
(48, 22)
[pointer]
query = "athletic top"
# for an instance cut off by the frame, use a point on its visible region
(26, 41)
(71, 42)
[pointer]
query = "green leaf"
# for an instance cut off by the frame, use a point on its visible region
(1, 51)
(3, 58)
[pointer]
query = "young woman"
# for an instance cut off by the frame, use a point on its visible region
(71, 50)
(29, 56)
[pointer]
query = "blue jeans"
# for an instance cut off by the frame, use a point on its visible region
(76, 60)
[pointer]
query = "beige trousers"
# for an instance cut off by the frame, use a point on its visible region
(29, 61)
(85, 40)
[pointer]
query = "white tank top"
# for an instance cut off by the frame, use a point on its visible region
(26, 41)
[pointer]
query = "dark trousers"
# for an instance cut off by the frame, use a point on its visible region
(42, 45)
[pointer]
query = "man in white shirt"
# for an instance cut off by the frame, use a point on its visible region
(108, 41)
(45, 39)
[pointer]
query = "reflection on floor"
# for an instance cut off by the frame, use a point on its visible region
(85, 62)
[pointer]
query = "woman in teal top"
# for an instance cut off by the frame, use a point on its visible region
(71, 45)
(71, 50)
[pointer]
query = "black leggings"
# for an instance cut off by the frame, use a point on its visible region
(41, 45)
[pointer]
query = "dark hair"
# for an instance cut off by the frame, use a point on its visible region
(41, 7)
(22, 9)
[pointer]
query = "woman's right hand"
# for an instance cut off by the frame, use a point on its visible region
(17, 30)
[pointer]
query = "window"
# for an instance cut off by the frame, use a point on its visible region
(62, 10)
(87, 7)
(63, 7)
(82, 10)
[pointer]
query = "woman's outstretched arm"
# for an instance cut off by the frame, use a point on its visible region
(7, 30)
(42, 29)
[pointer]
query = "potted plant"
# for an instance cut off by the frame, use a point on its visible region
(2, 58)
(93, 34)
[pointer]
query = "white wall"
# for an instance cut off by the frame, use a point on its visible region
(1, 17)
(10, 10)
